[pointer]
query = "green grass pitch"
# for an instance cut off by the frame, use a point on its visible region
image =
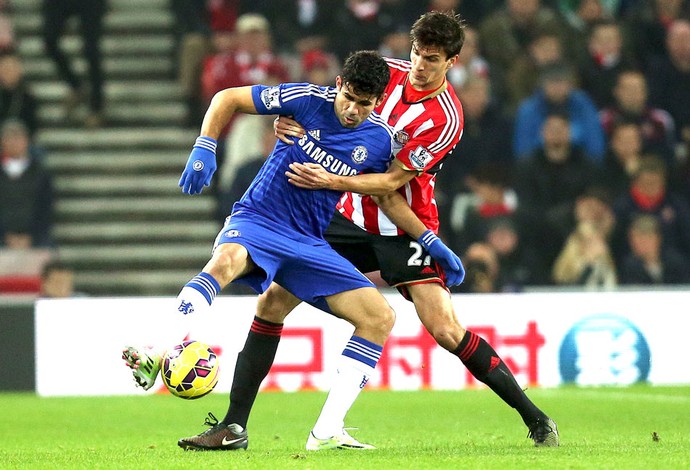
(638, 427)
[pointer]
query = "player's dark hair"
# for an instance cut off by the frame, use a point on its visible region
(366, 72)
(444, 30)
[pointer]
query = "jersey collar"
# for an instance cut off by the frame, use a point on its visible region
(412, 96)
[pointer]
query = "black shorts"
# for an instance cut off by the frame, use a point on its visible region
(401, 260)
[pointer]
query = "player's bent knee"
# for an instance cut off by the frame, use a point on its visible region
(229, 261)
(275, 304)
(377, 320)
(222, 257)
(382, 321)
(271, 311)
(448, 336)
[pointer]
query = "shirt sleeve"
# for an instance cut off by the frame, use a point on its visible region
(286, 98)
(424, 151)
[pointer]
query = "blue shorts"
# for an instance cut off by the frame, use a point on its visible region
(307, 267)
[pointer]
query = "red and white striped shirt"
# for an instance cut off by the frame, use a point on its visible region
(431, 123)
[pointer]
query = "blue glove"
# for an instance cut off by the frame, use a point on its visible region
(455, 272)
(200, 166)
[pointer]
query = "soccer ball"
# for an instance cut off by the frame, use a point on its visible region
(190, 370)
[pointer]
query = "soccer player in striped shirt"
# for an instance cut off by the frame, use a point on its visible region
(427, 117)
(275, 231)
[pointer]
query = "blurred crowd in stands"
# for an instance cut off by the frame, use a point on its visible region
(574, 165)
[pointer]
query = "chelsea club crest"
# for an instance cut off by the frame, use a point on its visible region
(359, 154)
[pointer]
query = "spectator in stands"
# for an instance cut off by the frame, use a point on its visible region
(669, 78)
(647, 24)
(192, 34)
(297, 27)
(558, 94)
(319, 67)
(548, 183)
(580, 16)
(649, 194)
(592, 207)
(16, 100)
(681, 179)
(623, 157)
(474, 12)
(57, 280)
(396, 43)
(243, 143)
(220, 15)
(492, 198)
(56, 13)
(649, 261)
(482, 270)
(395, 15)
(518, 261)
(499, 264)
(586, 260)
(606, 58)
(243, 58)
(470, 63)
(631, 105)
(360, 16)
(7, 36)
(373, 21)
(522, 79)
(26, 197)
(486, 139)
(246, 61)
(20, 268)
(358, 25)
(625, 7)
(507, 33)
(241, 170)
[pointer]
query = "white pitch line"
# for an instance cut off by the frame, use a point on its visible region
(613, 395)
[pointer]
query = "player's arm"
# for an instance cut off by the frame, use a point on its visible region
(224, 104)
(384, 185)
(400, 213)
(314, 176)
(202, 160)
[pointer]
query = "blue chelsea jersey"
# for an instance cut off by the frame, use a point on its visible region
(368, 148)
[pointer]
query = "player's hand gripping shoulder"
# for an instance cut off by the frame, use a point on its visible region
(455, 272)
(200, 166)
(285, 128)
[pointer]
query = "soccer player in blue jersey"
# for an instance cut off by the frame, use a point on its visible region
(275, 231)
(420, 105)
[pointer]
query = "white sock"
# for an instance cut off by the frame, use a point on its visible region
(198, 294)
(195, 297)
(190, 300)
(354, 369)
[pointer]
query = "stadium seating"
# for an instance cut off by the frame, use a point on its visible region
(122, 222)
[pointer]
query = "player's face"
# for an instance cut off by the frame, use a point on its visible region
(350, 108)
(429, 67)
